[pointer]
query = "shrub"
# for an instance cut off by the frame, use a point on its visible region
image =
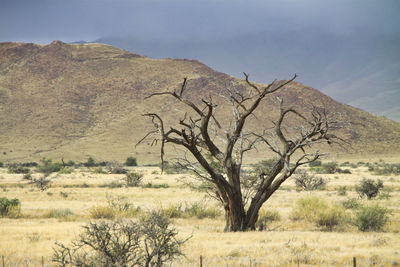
(315, 163)
(342, 190)
(151, 242)
(133, 179)
(47, 166)
(99, 170)
(64, 194)
(66, 170)
(112, 184)
(385, 169)
(130, 161)
(17, 168)
(329, 167)
(102, 212)
(64, 214)
(371, 218)
(9, 207)
(201, 211)
(90, 162)
(307, 208)
(151, 185)
(115, 168)
(345, 171)
(330, 217)
(42, 183)
(306, 181)
(369, 188)
(315, 210)
(173, 168)
(70, 163)
(265, 217)
(27, 176)
(174, 211)
(351, 203)
(1, 164)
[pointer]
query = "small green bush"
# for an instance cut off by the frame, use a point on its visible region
(369, 188)
(351, 203)
(9, 207)
(90, 162)
(329, 167)
(315, 163)
(307, 208)
(133, 179)
(331, 217)
(174, 211)
(265, 217)
(131, 161)
(371, 218)
(99, 170)
(201, 211)
(315, 210)
(47, 166)
(66, 170)
(342, 190)
(17, 168)
(1, 164)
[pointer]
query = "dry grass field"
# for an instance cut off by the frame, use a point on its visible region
(58, 213)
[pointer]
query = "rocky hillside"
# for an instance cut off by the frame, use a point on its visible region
(75, 100)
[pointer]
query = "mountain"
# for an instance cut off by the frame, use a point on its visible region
(356, 68)
(79, 100)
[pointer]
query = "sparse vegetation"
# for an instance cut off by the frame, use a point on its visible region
(381, 168)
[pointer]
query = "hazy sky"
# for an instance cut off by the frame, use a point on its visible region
(73, 20)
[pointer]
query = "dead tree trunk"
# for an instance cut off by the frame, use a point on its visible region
(194, 135)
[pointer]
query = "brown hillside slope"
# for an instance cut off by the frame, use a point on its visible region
(73, 100)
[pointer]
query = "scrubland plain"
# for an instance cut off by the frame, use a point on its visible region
(58, 213)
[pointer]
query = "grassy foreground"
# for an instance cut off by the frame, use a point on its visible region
(58, 213)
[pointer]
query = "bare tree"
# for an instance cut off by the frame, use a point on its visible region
(199, 131)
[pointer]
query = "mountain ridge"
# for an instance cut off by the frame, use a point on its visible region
(80, 100)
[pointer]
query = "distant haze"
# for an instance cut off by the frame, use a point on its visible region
(348, 49)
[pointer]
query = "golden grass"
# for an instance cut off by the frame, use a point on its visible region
(25, 240)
